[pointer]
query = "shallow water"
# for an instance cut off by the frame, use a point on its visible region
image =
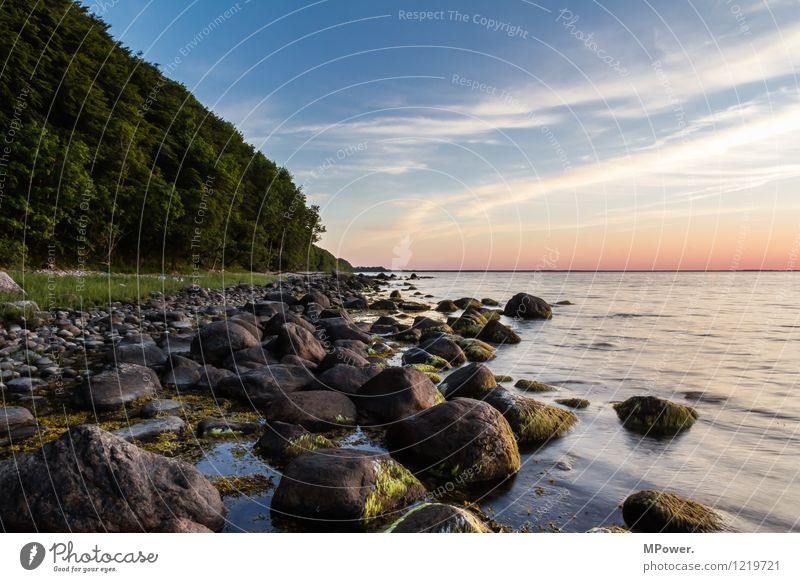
(731, 340)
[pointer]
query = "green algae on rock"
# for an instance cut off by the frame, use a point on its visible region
(651, 511)
(238, 485)
(655, 416)
(438, 518)
(532, 421)
(533, 386)
(574, 402)
(476, 350)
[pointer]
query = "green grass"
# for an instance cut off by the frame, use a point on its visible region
(51, 291)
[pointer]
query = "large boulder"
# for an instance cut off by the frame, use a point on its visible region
(394, 394)
(117, 387)
(445, 348)
(347, 379)
(282, 442)
(315, 410)
(470, 381)
(137, 350)
(526, 306)
(532, 421)
(91, 481)
(651, 511)
(338, 328)
(263, 385)
(655, 416)
(344, 484)
(438, 518)
(8, 285)
(421, 357)
(497, 333)
(217, 340)
(463, 439)
(151, 429)
(273, 326)
(338, 355)
(476, 350)
(316, 297)
(298, 341)
(16, 423)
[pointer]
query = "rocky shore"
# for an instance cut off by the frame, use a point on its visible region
(104, 412)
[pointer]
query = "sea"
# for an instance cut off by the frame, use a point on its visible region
(725, 343)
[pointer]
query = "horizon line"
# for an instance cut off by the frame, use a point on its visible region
(370, 270)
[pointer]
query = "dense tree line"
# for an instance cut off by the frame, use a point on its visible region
(105, 160)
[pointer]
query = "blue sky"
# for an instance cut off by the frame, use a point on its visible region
(510, 134)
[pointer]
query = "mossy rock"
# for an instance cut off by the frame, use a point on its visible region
(651, 511)
(476, 350)
(533, 386)
(438, 518)
(655, 416)
(564, 303)
(420, 356)
(490, 302)
(532, 421)
(395, 295)
(574, 402)
(467, 303)
(446, 306)
(345, 484)
(502, 378)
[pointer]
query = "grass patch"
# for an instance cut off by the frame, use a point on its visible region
(51, 291)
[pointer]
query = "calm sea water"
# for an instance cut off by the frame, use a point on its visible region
(732, 338)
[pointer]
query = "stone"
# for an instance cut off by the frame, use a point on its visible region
(651, 511)
(394, 394)
(298, 341)
(314, 410)
(438, 518)
(532, 421)
(653, 416)
(117, 387)
(344, 484)
(151, 429)
(283, 441)
(497, 333)
(470, 381)
(212, 427)
(16, 423)
(157, 407)
(463, 439)
(445, 348)
(526, 306)
(573, 402)
(347, 379)
(263, 385)
(90, 481)
(217, 340)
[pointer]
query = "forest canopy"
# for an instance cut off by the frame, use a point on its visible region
(106, 161)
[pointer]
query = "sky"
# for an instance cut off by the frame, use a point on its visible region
(510, 134)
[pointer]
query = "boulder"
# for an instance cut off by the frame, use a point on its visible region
(427, 324)
(161, 406)
(394, 394)
(655, 416)
(419, 356)
(91, 481)
(446, 306)
(263, 385)
(476, 350)
(344, 484)
(182, 377)
(274, 325)
(298, 341)
(533, 386)
(573, 402)
(211, 377)
(337, 356)
(347, 379)
(217, 340)
(115, 388)
(16, 423)
(445, 348)
(497, 333)
(136, 351)
(282, 442)
(151, 429)
(8, 285)
(532, 421)
(463, 439)
(383, 305)
(470, 381)
(526, 306)
(467, 302)
(316, 297)
(255, 357)
(651, 511)
(315, 410)
(338, 328)
(438, 518)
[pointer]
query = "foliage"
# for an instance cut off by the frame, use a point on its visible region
(108, 162)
